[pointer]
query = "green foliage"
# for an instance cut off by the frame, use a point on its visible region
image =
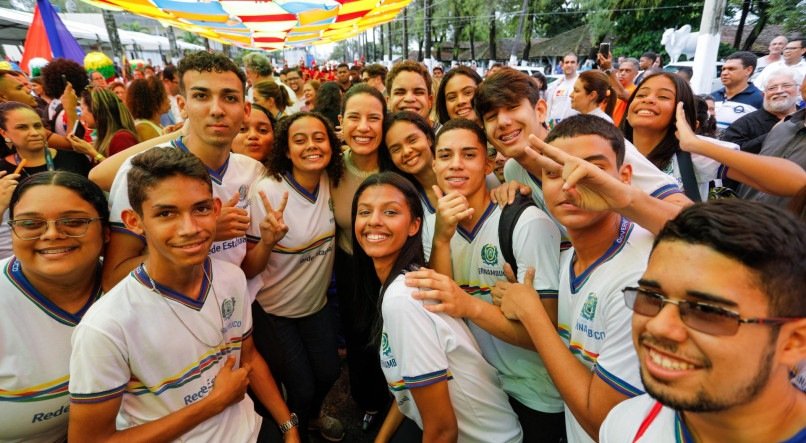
(790, 13)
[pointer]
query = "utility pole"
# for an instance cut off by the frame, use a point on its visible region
(405, 33)
(427, 25)
(513, 58)
(389, 32)
(707, 46)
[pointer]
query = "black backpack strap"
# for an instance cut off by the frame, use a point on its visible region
(690, 187)
(506, 227)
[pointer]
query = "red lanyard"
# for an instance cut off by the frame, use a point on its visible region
(653, 414)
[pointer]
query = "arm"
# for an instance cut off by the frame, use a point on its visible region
(272, 229)
(605, 64)
(264, 387)
(772, 175)
(104, 173)
(8, 182)
(439, 421)
(454, 301)
(124, 252)
(390, 424)
(95, 422)
(588, 397)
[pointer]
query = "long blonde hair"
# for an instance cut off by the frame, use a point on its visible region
(111, 115)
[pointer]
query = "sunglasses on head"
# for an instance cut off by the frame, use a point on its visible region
(703, 317)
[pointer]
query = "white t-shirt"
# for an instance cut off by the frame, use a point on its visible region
(706, 169)
(428, 224)
(559, 100)
(597, 111)
(34, 356)
(160, 352)
(764, 77)
(729, 111)
(237, 174)
(294, 283)
(662, 424)
(478, 264)
(420, 348)
(5, 236)
(594, 320)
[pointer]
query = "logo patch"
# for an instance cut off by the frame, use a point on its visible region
(243, 192)
(385, 349)
(489, 254)
(227, 308)
(589, 308)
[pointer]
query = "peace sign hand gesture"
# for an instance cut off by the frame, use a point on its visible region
(273, 227)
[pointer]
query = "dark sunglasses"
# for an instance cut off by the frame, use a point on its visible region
(702, 317)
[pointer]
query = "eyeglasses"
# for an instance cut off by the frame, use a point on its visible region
(702, 317)
(791, 48)
(773, 88)
(34, 228)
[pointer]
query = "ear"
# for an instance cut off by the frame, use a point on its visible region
(625, 173)
(133, 222)
(414, 227)
(217, 206)
(540, 109)
(247, 108)
(489, 163)
(181, 103)
(340, 120)
(792, 343)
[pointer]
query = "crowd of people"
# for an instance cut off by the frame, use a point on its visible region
(606, 258)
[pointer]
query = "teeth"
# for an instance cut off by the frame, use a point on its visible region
(645, 112)
(510, 136)
(362, 139)
(313, 157)
(376, 237)
(455, 180)
(55, 251)
(667, 363)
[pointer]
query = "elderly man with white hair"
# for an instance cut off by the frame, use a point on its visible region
(780, 98)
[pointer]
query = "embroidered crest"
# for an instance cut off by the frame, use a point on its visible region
(489, 254)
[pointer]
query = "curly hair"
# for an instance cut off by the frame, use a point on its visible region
(204, 61)
(54, 83)
(278, 162)
(145, 97)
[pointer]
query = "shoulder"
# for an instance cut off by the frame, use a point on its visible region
(624, 419)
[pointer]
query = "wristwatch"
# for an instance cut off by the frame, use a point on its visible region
(290, 424)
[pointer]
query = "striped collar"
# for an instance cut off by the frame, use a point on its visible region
(625, 228)
(195, 303)
(217, 175)
(424, 199)
(14, 273)
(310, 196)
(469, 236)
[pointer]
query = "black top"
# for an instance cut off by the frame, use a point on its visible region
(62, 161)
(750, 130)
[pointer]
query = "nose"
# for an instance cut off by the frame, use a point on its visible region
(216, 107)
(668, 324)
(52, 232)
(188, 225)
(503, 119)
(375, 218)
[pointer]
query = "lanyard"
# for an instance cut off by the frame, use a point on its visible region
(653, 414)
(48, 159)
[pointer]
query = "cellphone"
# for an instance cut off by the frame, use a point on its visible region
(75, 127)
(604, 49)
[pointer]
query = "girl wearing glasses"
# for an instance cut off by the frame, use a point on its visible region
(59, 222)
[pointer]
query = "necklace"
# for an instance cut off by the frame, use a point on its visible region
(153, 287)
(353, 169)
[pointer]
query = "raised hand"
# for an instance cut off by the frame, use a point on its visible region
(515, 298)
(273, 227)
(505, 193)
(440, 293)
(8, 182)
(232, 222)
(685, 135)
(452, 209)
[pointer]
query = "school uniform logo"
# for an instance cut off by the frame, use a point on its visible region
(227, 308)
(385, 349)
(589, 308)
(243, 192)
(489, 254)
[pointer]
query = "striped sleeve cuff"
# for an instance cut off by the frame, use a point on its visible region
(548, 293)
(665, 191)
(97, 397)
(426, 379)
(616, 383)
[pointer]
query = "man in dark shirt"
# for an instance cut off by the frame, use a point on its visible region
(738, 97)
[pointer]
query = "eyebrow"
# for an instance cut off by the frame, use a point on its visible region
(72, 213)
(705, 296)
(596, 157)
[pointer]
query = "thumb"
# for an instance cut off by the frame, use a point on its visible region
(510, 274)
(229, 364)
(529, 277)
(438, 191)
(233, 200)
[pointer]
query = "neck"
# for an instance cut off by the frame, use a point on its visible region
(646, 141)
(306, 179)
(775, 415)
(69, 293)
(184, 279)
(592, 107)
(383, 266)
(773, 57)
(34, 157)
(570, 76)
(427, 180)
(212, 156)
(592, 242)
(793, 62)
(365, 162)
(731, 91)
(479, 202)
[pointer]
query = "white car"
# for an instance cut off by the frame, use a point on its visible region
(716, 83)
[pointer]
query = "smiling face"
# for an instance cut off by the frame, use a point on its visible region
(178, 220)
(691, 370)
(780, 94)
(215, 107)
(256, 137)
(461, 163)
(25, 130)
(654, 105)
(409, 148)
(591, 148)
(459, 92)
(362, 123)
(294, 81)
(53, 256)
(410, 93)
(508, 128)
(308, 146)
(309, 93)
(383, 223)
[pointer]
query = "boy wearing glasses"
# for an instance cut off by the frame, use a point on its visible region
(592, 361)
(716, 366)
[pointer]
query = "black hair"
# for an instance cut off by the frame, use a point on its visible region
(663, 152)
(271, 118)
(706, 124)
(169, 73)
(441, 105)
(278, 163)
(145, 97)
(269, 89)
(544, 84)
(328, 101)
(504, 88)
(362, 88)
(57, 71)
(462, 123)
(769, 240)
(650, 55)
(410, 66)
(81, 185)
(157, 164)
(376, 70)
(747, 58)
(343, 65)
(586, 124)
(385, 157)
(411, 254)
(204, 61)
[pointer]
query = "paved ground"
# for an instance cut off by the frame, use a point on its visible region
(339, 404)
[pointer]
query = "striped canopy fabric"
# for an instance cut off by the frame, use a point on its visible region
(264, 24)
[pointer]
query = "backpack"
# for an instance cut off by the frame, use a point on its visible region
(506, 227)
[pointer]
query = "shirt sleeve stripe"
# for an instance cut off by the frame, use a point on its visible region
(665, 191)
(548, 293)
(426, 379)
(97, 397)
(616, 383)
